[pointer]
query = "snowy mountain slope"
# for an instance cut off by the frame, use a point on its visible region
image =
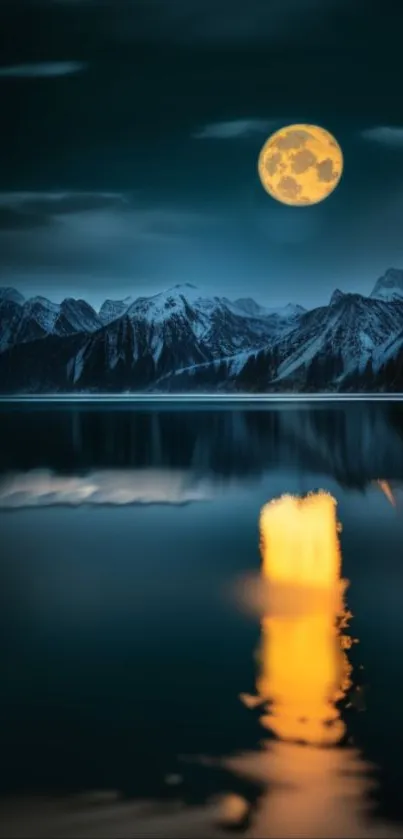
(22, 320)
(40, 313)
(11, 295)
(154, 337)
(389, 287)
(56, 318)
(183, 340)
(77, 316)
(248, 307)
(160, 306)
(217, 326)
(40, 366)
(115, 358)
(336, 297)
(325, 346)
(113, 309)
(10, 316)
(351, 329)
(25, 321)
(388, 351)
(220, 327)
(129, 351)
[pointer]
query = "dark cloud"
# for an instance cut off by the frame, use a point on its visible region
(83, 238)
(13, 218)
(25, 211)
(204, 22)
(195, 23)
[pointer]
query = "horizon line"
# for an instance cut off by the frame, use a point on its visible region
(138, 398)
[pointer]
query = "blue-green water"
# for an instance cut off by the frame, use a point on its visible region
(124, 535)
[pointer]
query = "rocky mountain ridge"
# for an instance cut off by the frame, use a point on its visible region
(180, 340)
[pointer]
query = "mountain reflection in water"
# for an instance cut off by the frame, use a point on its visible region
(81, 456)
(354, 443)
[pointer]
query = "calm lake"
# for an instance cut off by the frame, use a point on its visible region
(129, 544)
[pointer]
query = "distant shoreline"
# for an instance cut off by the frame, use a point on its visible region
(189, 398)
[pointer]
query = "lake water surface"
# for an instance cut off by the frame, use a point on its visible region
(129, 547)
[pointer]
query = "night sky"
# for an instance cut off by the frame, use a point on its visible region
(130, 134)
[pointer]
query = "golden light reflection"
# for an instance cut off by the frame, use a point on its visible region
(303, 666)
(303, 671)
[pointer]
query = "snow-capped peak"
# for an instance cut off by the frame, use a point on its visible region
(289, 310)
(79, 315)
(113, 309)
(43, 309)
(183, 288)
(336, 297)
(249, 306)
(12, 295)
(164, 304)
(42, 301)
(389, 287)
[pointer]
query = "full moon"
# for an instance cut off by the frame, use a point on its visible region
(300, 165)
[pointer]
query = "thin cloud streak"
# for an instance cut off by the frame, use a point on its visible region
(234, 129)
(385, 135)
(59, 201)
(44, 70)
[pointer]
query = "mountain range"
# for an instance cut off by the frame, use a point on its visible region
(181, 340)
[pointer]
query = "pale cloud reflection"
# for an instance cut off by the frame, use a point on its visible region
(43, 488)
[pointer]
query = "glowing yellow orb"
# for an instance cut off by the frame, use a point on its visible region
(300, 165)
